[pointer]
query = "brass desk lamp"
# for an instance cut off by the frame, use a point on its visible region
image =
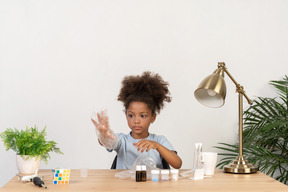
(212, 92)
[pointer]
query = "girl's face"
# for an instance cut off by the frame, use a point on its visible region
(139, 117)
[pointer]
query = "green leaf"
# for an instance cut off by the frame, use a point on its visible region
(265, 135)
(30, 141)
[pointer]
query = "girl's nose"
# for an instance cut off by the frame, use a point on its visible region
(137, 120)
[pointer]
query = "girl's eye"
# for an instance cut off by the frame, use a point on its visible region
(143, 116)
(129, 115)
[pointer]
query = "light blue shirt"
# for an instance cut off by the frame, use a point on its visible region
(127, 153)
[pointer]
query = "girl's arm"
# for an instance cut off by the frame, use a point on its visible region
(170, 156)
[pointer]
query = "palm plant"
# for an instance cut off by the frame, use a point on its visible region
(265, 135)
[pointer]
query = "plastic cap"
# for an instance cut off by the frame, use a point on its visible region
(164, 171)
(174, 171)
(155, 171)
(143, 167)
(138, 167)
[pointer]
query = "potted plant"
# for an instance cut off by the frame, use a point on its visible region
(265, 134)
(30, 146)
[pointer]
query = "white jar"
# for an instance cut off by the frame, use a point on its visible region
(174, 174)
(155, 175)
(165, 175)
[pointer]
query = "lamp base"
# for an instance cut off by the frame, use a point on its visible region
(240, 165)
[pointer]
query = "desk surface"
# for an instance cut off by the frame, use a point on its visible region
(104, 180)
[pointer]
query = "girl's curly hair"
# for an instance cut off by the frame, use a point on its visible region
(148, 88)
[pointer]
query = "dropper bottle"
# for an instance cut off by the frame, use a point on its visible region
(143, 173)
(138, 173)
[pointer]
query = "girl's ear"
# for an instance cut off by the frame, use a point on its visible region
(153, 117)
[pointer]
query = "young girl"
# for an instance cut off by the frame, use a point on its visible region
(143, 98)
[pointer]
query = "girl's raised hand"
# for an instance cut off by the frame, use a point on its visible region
(102, 125)
(146, 145)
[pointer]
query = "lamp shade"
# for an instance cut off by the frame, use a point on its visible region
(212, 90)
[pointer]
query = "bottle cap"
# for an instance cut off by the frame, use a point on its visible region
(143, 167)
(165, 171)
(174, 171)
(155, 171)
(138, 167)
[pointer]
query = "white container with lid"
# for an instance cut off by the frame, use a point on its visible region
(174, 174)
(165, 175)
(155, 175)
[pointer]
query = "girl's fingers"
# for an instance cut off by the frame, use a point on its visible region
(99, 118)
(149, 146)
(103, 117)
(144, 147)
(106, 123)
(94, 122)
(103, 121)
(148, 149)
(138, 145)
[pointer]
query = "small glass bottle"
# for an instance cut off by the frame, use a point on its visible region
(138, 173)
(143, 173)
(165, 175)
(155, 175)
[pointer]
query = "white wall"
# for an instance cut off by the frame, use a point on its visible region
(62, 59)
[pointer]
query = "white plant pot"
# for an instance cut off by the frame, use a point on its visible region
(27, 166)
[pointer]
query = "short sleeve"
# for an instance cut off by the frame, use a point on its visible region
(164, 141)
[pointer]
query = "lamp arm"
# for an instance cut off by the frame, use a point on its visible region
(239, 88)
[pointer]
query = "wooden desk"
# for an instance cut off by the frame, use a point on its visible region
(104, 180)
